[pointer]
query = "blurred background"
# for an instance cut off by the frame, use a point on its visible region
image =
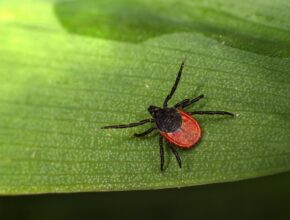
(262, 198)
(34, 42)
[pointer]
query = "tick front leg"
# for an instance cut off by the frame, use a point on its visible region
(161, 153)
(174, 87)
(174, 151)
(145, 132)
(210, 113)
(134, 124)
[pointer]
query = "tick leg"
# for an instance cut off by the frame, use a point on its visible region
(180, 104)
(210, 113)
(187, 102)
(161, 153)
(192, 101)
(174, 151)
(145, 132)
(128, 125)
(174, 86)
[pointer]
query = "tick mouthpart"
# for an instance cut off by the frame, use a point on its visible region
(153, 109)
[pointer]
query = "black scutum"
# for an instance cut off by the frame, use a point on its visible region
(168, 119)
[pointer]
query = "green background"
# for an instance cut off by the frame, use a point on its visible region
(69, 67)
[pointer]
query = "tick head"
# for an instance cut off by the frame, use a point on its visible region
(153, 110)
(166, 119)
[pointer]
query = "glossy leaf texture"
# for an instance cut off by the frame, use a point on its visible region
(69, 67)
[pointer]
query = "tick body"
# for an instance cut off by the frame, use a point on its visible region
(174, 124)
(187, 135)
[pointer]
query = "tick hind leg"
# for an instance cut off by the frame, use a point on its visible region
(145, 132)
(174, 151)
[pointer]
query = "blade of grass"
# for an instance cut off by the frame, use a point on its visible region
(59, 87)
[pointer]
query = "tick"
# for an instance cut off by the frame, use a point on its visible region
(174, 124)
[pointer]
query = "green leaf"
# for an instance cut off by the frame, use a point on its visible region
(69, 67)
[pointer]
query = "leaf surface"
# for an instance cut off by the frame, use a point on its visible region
(69, 67)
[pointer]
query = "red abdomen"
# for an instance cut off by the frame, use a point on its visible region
(187, 135)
